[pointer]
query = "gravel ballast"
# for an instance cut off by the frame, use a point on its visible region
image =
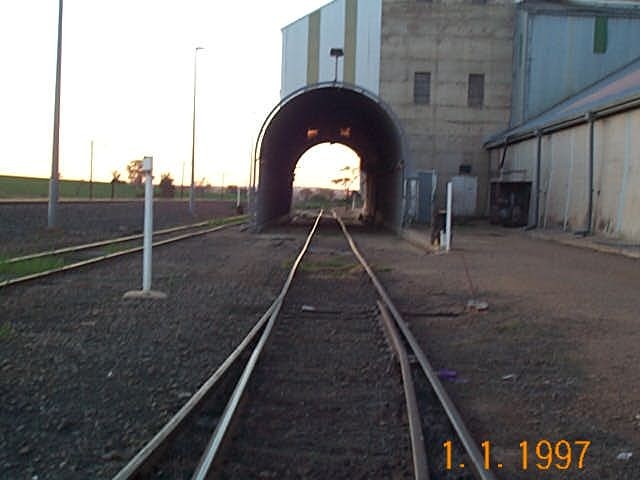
(88, 378)
(23, 226)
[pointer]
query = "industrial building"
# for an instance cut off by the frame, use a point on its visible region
(428, 91)
(570, 159)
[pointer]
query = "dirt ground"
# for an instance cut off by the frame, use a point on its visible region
(86, 378)
(554, 357)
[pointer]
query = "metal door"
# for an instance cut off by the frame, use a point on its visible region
(426, 192)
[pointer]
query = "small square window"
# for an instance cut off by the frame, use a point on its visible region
(475, 97)
(422, 88)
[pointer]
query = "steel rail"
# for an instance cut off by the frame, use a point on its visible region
(102, 243)
(420, 465)
(71, 266)
(450, 409)
(208, 457)
(143, 459)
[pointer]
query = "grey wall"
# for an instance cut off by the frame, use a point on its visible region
(450, 39)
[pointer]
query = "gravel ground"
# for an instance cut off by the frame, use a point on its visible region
(23, 226)
(88, 378)
(554, 357)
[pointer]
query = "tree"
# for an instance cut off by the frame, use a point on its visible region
(167, 188)
(349, 175)
(134, 172)
(305, 194)
(115, 178)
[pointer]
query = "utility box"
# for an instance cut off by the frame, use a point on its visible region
(465, 195)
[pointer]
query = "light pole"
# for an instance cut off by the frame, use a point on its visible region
(91, 173)
(53, 182)
(182, 182)
(192, 206)
(337, 53)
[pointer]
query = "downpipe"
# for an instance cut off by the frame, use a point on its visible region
(538, 175)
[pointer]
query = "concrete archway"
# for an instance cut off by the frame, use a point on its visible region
(336, 113)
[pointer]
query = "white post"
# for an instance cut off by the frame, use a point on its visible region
(147, 168)
(449, 214)
(238, 196)
(147, 244)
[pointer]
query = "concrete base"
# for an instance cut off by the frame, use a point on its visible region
(144, 294)
(420, 238)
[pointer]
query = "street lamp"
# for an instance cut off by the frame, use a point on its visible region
(337, 53)
(192, 207)
(53, 182)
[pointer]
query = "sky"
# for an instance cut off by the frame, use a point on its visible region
(127, 85)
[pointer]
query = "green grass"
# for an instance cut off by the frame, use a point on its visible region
(26, 187)
(333, 266)
(119, 247)
(28, 267)
(6, 331)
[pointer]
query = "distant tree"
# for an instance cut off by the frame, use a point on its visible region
(202, 186)
(134, 172)
(305, 194)
(348, 176)
(167, 188)
(115, 178)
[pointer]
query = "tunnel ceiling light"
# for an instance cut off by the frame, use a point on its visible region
(312, 133)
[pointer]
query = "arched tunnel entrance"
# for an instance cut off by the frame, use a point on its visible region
(331, 112)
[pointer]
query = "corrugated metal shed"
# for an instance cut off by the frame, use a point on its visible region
(562, 47)
(620, 88)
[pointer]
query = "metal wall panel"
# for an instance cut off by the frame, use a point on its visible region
(369, 37)
(294, 56)
(332, 25)
(354, 25)
(564, 187)
(555, 57)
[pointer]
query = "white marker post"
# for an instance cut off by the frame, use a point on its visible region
(449, 214)
(146, 292)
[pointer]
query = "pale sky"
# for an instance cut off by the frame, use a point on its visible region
(127, 84)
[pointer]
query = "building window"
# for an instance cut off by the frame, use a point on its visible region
(424, 1)
(600, 35)
(422, 88)
(475, 97)
(478, 2)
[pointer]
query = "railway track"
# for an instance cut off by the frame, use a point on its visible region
(34, 266)
(308, 392)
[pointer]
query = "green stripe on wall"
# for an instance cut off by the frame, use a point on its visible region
(350, 40)
(600, 35)
(313, 49)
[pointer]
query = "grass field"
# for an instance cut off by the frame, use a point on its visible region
(24, 187)
(35, 188)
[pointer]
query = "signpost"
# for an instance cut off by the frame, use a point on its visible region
(146, 292)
